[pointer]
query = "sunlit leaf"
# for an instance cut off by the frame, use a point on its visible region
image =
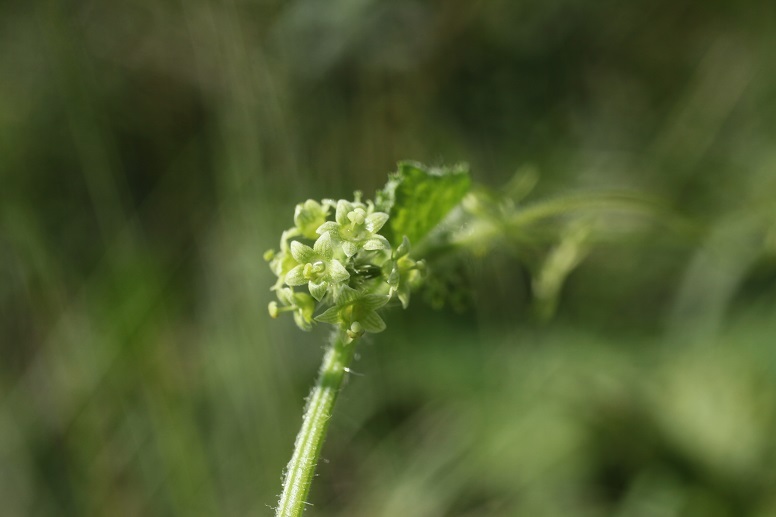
(418, 198)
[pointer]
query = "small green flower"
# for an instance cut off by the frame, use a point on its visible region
(405, 274)
(356, 312)
(316, 267)
(281, 262)
(356, 226)
(309, 215)
(301, 304)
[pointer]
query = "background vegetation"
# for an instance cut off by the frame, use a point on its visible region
(150, 151)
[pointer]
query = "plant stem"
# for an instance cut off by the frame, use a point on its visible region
(307, 447)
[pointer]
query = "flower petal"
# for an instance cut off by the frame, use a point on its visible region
(394, 278)
(349, 248)
(343, 208)
(376, 221)
(328, 226)
(302, 322)
(346, 296)
(404, 296)
(308, 216)
(372, 322)
(404, 247)
(371, 302)
(318, 289)
(296, 276)
(286, 295)
(323, 246)
(337, 271)
(378, 242)
(305, 304)
(330, 315)
(302, 253)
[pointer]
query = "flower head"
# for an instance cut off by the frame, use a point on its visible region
(348, 267)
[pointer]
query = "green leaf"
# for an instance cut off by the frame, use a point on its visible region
(418, 198)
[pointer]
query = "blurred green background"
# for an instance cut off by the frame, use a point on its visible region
(151, 151)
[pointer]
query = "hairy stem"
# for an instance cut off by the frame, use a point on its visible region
(307, 447)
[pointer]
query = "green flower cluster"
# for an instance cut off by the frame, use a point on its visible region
(348, 268)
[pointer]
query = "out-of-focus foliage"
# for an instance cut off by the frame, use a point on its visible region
(601, 361)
